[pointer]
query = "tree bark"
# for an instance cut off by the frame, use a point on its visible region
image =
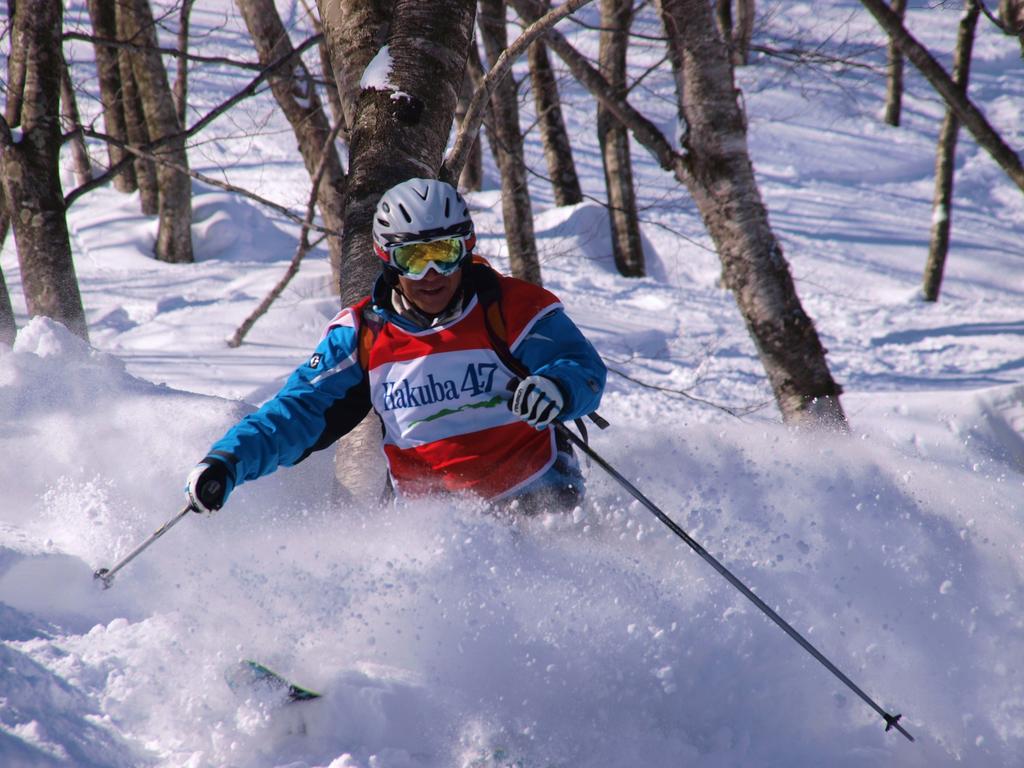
(743, 32)
(8, 327)
(400, 131)
(104, 25)
(80, 163)
(181, 75)
(476, 75)
(737, 30)
(174, 233)
(969, 115)
(517, 211)
(31, 172)
(565, 182)
(296, 94)
(135, 120)
(13, 97)
(894, 83)
(354, 31)
(472, 177)
(330, 85)
(945, 158)
(16, 67)
(721, 181)
(1011, 12)
(627, 246)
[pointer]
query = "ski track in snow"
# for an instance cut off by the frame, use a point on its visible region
(442, 636)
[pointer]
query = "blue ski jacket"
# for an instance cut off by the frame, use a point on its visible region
(329, 394)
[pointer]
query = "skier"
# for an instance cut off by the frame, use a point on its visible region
(466, 369)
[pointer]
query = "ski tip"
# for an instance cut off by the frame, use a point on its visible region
(249, 675)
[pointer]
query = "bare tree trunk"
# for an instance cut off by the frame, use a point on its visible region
(355, 30)
(969, 115)
(135, 121)
(31, 172)
(557, 150)
(894, 83)
(13, 97)
(945, 158)
(723, 185)
(472, 177)
(517, 211)
(1011, 12)
(181, 76)
(627, 246)
(330, 85)
(743, 32)
(80, 163)
(737, 30)
(174, 234)
(475, 73)
(400, 131)
(104, 25)
(8, 328)
(723, 18)
(296, 94)
(15, 75)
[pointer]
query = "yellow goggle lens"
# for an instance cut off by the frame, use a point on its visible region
(416, 257)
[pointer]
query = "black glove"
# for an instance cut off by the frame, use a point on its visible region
(208, 486)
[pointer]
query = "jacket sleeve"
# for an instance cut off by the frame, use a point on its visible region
(322, 400)
(554, 347)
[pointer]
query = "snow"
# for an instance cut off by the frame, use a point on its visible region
(442, 636)
(377, 75)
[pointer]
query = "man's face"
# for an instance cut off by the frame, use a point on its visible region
(431, 293)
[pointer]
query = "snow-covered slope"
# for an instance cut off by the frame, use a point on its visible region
(442, 636)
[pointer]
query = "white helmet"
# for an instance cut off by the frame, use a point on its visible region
(418, 211)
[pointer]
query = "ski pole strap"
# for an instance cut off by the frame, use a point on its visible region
(489, 294)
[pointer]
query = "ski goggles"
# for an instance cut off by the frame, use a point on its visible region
(414, 260)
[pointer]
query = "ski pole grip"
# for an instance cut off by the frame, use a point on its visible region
(599, 421)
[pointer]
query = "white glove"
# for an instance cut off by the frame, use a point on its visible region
(537, 401)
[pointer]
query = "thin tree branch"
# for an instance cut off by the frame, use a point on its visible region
(452, 167)
(249, 90)
(736, 412)
(812, 57)
(176, 53)
(153, 157)
(96, 181)
(995, 19)
(213, 114)
(300, 251)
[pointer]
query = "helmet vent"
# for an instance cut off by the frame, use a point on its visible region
(383, 222)
(405, 213)
(385, 207)
(447, 207)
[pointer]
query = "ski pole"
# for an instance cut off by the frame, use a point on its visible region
(106, 575)
(891, 721)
